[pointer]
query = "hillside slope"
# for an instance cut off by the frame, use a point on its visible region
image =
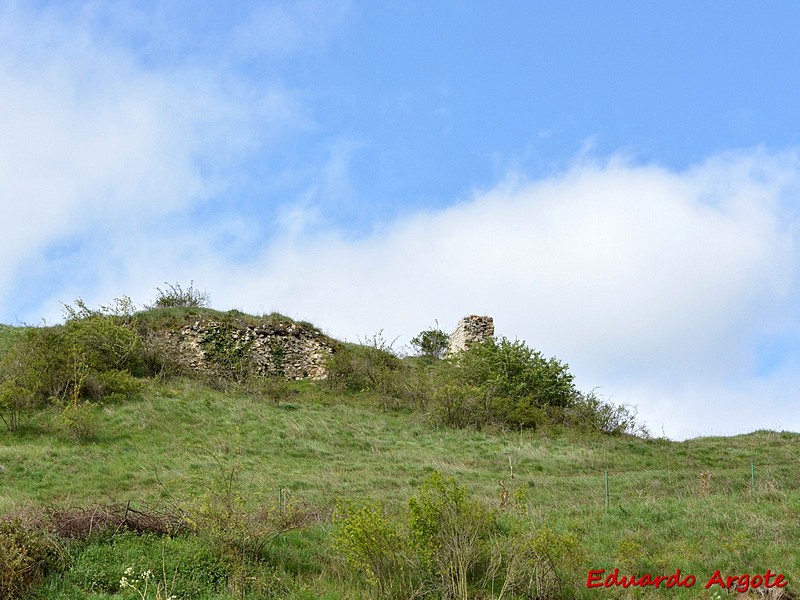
(689, 505)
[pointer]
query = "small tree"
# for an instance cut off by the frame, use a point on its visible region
(431, 343)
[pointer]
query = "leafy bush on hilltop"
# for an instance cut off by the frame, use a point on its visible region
(513, 370)
(94, 354)
(431, 344)
(499, 382)
(371, 366)
(175, 296)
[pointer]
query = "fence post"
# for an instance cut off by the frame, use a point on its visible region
(607, 497)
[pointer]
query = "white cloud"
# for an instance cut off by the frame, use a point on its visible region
(95, 145)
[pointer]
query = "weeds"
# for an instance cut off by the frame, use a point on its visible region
(175, 296)
(451, 545)
(146, 587)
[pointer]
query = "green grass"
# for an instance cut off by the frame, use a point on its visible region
(664, 509)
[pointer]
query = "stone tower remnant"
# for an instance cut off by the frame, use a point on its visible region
(472, 329)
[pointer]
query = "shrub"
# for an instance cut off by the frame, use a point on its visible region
(26, 556)
(443, 544)
(114, 385)
(513, 370)
(450, 533)
(519, 413)
(431, 344)
(591, 413)
(175, 296)
(504, 383)
(35, 369)
(457, 404)
(373, 545)
(15, 401)
(93, 353)
(226, 514)
(106, 338)
(370, 366)
(541, 564)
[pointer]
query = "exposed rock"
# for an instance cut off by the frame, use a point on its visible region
(470, 330)
(285, 350)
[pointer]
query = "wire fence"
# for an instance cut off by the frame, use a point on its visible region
(609, 487)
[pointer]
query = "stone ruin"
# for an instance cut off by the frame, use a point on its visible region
(472, 329)
(286, 350)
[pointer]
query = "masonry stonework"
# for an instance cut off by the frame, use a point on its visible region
(285, 350)
(472, 329)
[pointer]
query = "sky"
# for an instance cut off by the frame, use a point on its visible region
(616, 184)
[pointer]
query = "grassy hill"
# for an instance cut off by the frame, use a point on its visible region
(244, 489)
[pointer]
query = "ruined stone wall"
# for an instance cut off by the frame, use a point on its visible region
(470, 330)
(284, 350)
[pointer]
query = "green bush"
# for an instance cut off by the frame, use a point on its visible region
(78, 420)
(372, 544)
(358, 368)
(446, 545)
(451, 534)
(431, 344)
(589, 412)
(114, 385)
(15, 401)
(34, 370)
(539, 564)
(94, 353)
(175, 296)
(8, 336)
(519, 413)
(513, 370)
(26, 556)
(458, 404)
(106, 338)
(502, 383)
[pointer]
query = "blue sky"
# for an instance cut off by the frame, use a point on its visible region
(618, 184)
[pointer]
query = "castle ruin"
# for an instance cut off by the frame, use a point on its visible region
(472, 329)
